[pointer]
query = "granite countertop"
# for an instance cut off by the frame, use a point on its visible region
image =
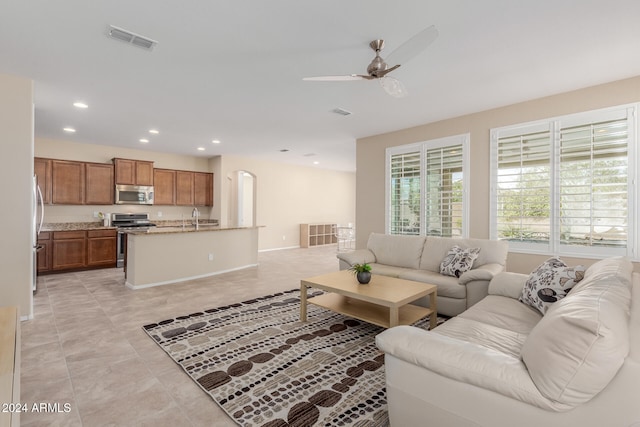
(75, 226)
(179, 229)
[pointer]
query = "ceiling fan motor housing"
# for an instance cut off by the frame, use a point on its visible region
(378, 64)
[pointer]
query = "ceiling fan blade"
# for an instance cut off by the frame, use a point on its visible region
(413, 46)
(387, 71)
(393, 87)
(346, 78)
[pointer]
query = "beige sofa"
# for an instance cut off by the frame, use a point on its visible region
(418, 258)
(502, 363)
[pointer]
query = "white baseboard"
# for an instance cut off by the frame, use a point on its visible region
(184, 279)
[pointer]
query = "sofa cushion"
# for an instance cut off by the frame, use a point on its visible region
(550, 282)
(504, 312)
(396, 250)
(581, 342)
(447, 286)
(436, 248)
(458, 261)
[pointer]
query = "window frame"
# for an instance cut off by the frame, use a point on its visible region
(555, 125)
(422, 147)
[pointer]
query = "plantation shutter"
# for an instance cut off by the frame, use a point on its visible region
(443, 212)
(523, 193)
(593, 183)
(405, 193)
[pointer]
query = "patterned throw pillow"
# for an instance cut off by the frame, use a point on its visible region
(550, 282)
(458, 261)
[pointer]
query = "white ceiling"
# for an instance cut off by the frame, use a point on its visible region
(232, 70)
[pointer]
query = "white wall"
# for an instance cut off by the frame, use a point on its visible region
(16, 151)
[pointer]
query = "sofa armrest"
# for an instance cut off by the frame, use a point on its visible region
(358, 256)
(508, 284)
(462, 361)
(483, 272)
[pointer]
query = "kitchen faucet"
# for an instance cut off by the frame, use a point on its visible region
(195, 214)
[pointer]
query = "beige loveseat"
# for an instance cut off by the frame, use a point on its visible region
(503, 363)
(418, 258)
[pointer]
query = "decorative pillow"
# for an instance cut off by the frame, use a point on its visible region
(458, 261)
(550, 282)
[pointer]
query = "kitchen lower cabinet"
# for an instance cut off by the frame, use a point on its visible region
(44, 253)
(69, 250)
(76, 250)
(101, 248)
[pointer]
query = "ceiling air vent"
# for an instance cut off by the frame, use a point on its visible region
(341, 111)
(131, 38)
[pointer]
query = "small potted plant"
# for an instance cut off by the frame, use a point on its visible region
(362, 272)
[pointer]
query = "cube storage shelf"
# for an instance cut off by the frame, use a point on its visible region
(317, 235)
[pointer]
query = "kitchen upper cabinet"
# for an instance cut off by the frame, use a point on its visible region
(184, 188)
(203, 189)
(99, 186)
(69, 250)
(67, 182)
(164, 186)
(133, 172)
(42, 170)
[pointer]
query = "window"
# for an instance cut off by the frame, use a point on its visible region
(426, 188)
(564, 185)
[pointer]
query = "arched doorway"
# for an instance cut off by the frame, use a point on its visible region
(242, 199)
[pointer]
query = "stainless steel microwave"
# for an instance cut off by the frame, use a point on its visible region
(134, 194)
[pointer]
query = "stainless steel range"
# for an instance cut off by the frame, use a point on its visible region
(128, 221)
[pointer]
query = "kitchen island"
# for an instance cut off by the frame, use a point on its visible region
(165, 255)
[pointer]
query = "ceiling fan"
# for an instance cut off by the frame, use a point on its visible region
(379, 68)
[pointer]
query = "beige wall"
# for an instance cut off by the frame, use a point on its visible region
(286, 195)
(16, 151)
(370, 156)
(289, 195)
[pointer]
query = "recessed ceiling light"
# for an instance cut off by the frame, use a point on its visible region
(200, 148)
(70, 130)
(284, 150)
(154, 131)
(316, 163)
(80, 104)
(144, 140)
(215, 141)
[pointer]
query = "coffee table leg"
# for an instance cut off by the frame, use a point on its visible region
(393, 316)
(433, 318)
(303, 302)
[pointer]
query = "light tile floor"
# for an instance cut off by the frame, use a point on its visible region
(86, 346)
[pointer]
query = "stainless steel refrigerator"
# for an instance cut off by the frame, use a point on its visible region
(38, 218)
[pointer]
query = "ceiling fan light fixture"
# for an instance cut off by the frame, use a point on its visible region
(393, 87)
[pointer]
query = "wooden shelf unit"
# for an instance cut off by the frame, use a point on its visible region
(317, 235)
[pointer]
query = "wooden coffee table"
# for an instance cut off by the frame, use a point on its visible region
(383, 302)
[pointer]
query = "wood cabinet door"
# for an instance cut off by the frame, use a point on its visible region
(203, 189)
(101, 248)
(164, 181)
(184, 188)
(67, 182)
(44, 253)
(125, 171)
(99, 185)
(144, 173)
(69, 250)
(42, 170)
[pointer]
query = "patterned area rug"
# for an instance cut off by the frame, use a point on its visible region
(266, 368)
